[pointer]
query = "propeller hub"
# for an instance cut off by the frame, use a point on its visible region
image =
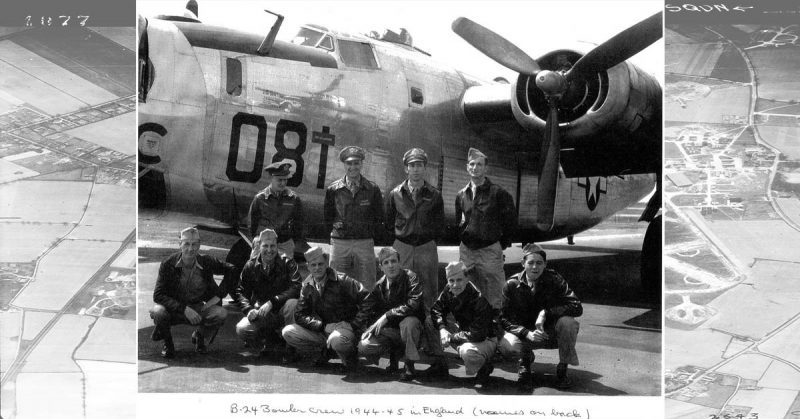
(551, 83)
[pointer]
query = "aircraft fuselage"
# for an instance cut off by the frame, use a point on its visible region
(213, 119)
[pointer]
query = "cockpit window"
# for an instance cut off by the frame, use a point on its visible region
(307, 37)
(326, 43)
(357, 54)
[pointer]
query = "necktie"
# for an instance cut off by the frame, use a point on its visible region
(352, 186)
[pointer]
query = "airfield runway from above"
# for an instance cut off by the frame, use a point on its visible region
(619, 343)
(67, 223)
(731, 222)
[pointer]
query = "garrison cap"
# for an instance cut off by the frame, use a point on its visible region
(415, 154)
(454, 268)
(474, 153)
(190, 233)
(280, 168)
(314, 253)
(386, 252)
(532, 248)
(267, 234)
(351, 152)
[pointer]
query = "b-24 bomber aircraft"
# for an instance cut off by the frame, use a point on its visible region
(575, 138)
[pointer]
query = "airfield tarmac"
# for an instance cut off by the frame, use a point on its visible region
(731, 253)
(67, 184)
(619, 344)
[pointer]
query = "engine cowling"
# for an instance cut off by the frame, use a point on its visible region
(621, 99)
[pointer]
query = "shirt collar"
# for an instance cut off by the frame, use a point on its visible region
(179, 263)
(396, 279)
(260, 262)
(407, 185)
(473, 186)
(524, 279)
(322, 284)
(268, 191)
(358, 182)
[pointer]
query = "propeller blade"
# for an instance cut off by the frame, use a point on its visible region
(548, 179)
(619, 48)
(495, 47)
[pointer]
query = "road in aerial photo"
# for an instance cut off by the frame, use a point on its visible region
(67, 221)
(732, 221)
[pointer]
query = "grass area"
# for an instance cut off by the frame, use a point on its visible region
(675, 233)
(671, 78)
(788, 178)
(694, 32)
(671, 151)
(674, 281)
(731, 66)
(777, 106)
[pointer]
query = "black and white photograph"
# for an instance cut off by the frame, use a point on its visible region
(384, 208)
(400, 198)
(732, 213)
(68, 212)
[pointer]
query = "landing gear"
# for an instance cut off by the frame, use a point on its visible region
(651, 259)
(570, 239)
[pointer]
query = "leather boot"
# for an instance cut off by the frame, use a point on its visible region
(323, 359)
(438, 369)
(199, 342)
(525, 373)
(394, 364)
(563, 381)
(289, 355)
(351, 364)
(483, 374)
(168, 350)
(408, 373)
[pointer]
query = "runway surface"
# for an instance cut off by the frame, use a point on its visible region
(67, 184)
(731, 232)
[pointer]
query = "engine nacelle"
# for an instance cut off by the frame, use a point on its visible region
(621, 99)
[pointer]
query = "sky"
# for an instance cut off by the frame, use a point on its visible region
(535, 26)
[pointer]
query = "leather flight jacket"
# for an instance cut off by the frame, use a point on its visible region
(488, 217)
(358, 216)
(167, 291)
(400, 300)
(339, 301)
(283, 213)
(415, 223)
(521, 305)
(472, 312)
(281, 284)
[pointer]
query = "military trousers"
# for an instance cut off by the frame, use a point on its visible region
(489, 275)
(423, 260)
(563, 336)
(356, 258)
(406, 337)
(336, 336)
(253, 332)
